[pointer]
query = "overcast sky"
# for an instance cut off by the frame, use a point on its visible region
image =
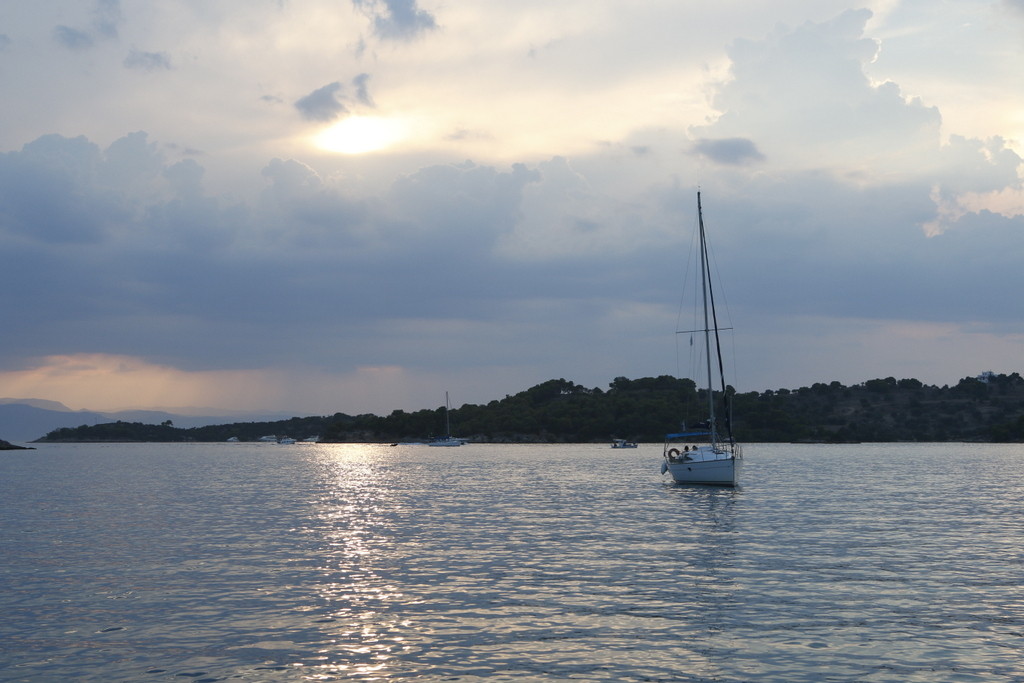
(356, 205)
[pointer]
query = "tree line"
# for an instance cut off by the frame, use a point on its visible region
(985, 408)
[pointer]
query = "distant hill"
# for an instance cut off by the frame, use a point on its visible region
(24, 420)
(38, 403)
(985, 408)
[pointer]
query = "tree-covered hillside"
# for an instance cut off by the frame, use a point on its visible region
(987, 408)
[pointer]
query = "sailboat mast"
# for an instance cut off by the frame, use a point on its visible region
(705, 284)
(447, 423)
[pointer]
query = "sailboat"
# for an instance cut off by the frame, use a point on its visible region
(448, 439)
(705, 454)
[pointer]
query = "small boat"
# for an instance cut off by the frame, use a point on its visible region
(447, 440)
(286, 440)
(622, 443)
(706, 454)
(270, 438)
(233, 439)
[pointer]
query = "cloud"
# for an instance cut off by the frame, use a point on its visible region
(106, 17)
(72, 38)
(331, 101)
(728, 151)
(147, 61)
(513, 236)
(362, 92)
(802, 97)
(5, 41)
(104, 381)
(322, 104)
(397, 19)
(40, 197)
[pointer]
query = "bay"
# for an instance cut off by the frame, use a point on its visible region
(265, 562)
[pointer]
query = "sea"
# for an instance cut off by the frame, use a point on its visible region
(348, 562)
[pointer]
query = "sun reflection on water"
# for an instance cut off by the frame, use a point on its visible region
(357, 510)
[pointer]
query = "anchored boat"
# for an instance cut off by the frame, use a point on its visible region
(708, 453)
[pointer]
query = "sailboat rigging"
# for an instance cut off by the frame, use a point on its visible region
(448, 439)
(717, 458)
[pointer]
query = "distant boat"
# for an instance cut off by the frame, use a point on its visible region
(270, 438)
(447, 439)
(311, 439)
(705, 455)
(286, 440)
(622, 443)
(233, 439)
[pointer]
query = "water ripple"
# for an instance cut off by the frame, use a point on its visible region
(873, 563)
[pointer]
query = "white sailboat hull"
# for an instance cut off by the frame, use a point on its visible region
(446, 442)
(721, 472)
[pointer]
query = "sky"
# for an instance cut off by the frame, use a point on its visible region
(358, 205)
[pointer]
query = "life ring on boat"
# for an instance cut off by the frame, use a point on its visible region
(673, 452)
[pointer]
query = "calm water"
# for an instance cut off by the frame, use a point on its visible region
(262, 562)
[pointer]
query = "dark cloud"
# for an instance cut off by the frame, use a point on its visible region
(291, 178)
(139, 259)
(43, 197)
(813, 246)
(130, 164)
(150, 260)
(468, 202)
(362, 92)
(332, 101)
(322, 104)
(734, 151)
(397, 19)
(133, 243)
(95, 234)
(186, 177)
(320, 217)
(147, 61)
(72, 38)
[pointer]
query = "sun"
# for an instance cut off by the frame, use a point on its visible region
(360, 134)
